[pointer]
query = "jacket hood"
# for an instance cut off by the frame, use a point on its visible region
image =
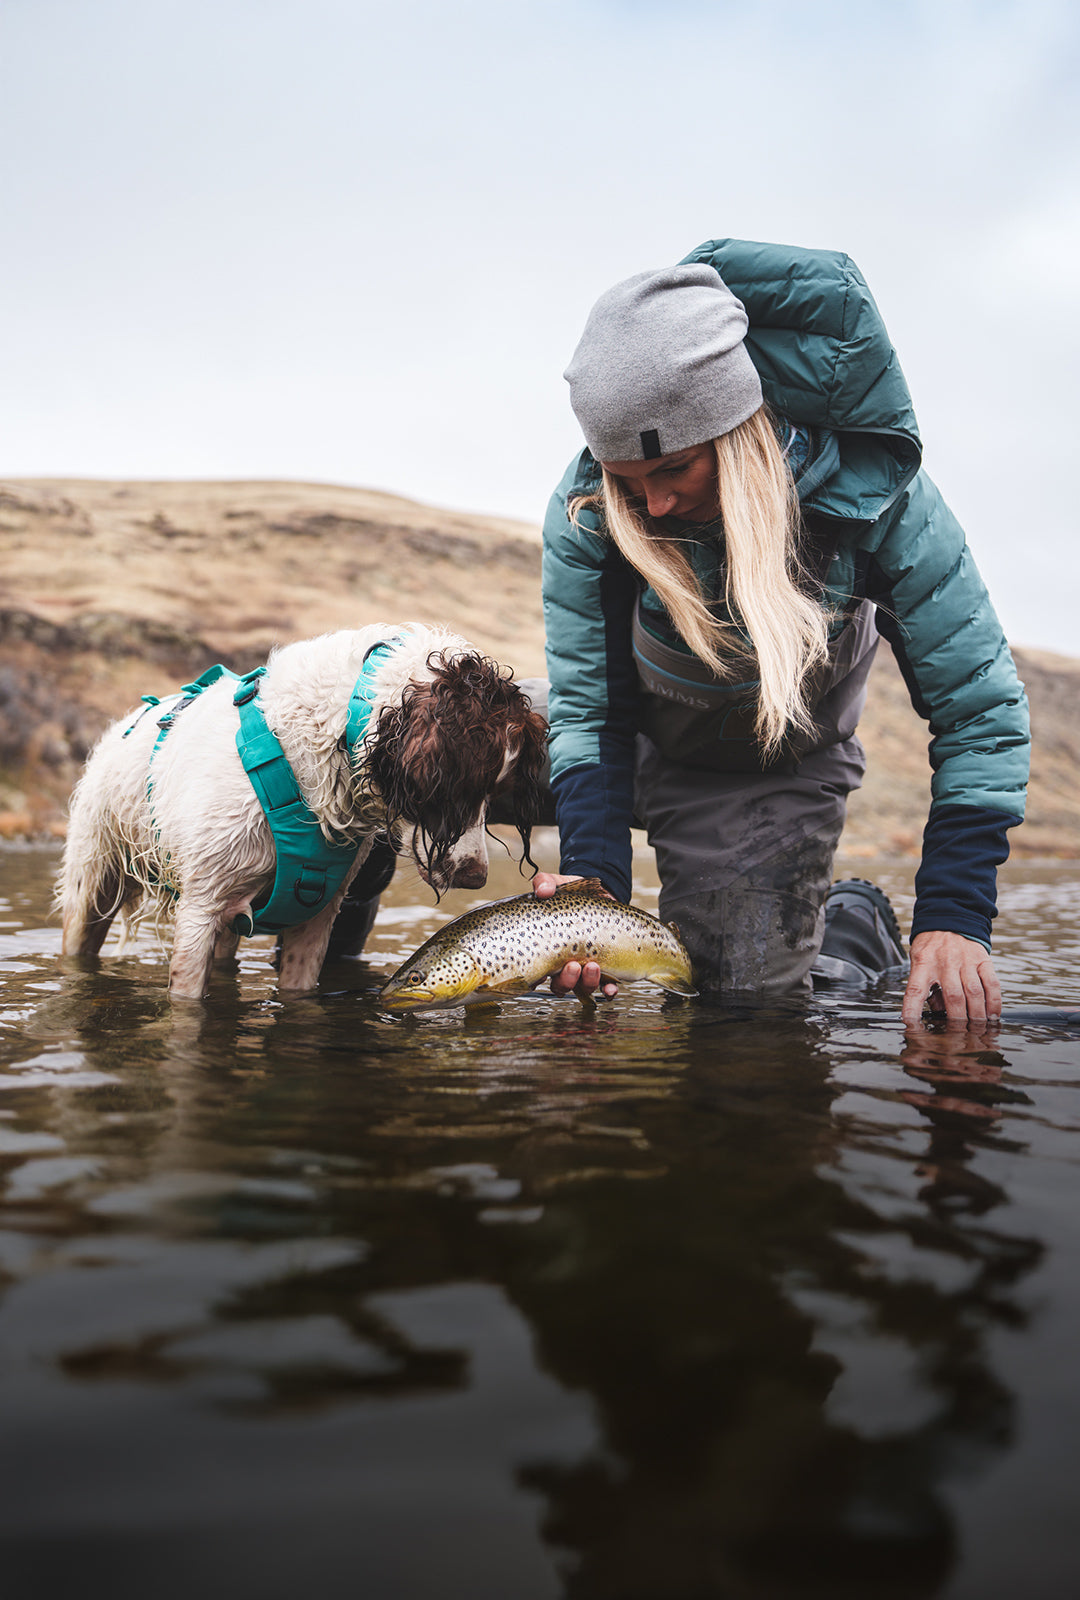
(825, 359)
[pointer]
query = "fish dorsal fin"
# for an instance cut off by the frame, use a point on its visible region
(582, 886)
(673, 927)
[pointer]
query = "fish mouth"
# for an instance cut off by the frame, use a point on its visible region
(423, 989)
(419, 999)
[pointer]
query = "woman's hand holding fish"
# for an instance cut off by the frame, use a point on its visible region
(574, 978)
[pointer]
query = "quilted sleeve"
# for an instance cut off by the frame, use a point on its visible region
(934, 609)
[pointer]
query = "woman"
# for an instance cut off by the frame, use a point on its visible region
(749, 513)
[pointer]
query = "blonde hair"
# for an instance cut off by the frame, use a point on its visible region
(788, 631)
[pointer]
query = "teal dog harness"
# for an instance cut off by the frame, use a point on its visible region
(309, 869)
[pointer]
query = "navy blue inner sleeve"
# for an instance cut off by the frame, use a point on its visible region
(594, 815)
(956, 885)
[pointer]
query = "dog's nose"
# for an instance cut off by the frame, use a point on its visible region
(469, 874)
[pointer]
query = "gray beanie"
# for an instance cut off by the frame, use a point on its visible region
(662, 365)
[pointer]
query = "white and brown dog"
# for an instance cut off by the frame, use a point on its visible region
(168, 818)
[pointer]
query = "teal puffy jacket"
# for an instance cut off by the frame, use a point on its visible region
(883, 533)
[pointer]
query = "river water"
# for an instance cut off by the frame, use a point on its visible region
(646, 1301)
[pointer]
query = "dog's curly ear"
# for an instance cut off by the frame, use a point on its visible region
(436, 757)
(528, 767)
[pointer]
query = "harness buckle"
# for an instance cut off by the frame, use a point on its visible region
(166, 721)
(248, 687)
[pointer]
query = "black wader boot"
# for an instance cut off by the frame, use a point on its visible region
(862, 936)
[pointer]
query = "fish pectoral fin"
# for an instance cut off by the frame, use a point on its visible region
(510, 986)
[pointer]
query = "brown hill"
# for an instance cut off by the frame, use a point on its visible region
(113, 590)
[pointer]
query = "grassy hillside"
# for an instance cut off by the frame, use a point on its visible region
(113, 590)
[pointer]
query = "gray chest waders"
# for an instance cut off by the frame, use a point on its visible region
(745, 849)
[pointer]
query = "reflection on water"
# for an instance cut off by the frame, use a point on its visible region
(645, 1300)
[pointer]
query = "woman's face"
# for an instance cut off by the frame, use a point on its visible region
(680, 485)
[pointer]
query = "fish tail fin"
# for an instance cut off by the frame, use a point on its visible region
(677, 982)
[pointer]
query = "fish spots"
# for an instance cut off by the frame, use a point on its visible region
(524, 940)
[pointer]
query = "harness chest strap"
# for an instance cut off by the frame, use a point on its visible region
(308, 868)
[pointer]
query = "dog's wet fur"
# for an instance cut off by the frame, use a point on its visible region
(448, 726)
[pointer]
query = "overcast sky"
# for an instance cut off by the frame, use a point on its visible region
(355, 243)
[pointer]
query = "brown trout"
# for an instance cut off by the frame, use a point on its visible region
(510, 946)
